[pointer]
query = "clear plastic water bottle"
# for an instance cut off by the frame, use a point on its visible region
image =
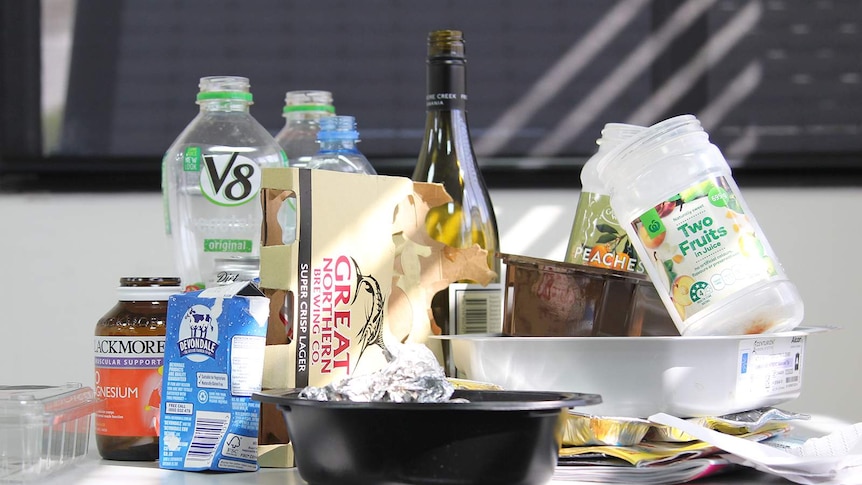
(211, 180)
(338, 151)
(303, 111)
(674, 193)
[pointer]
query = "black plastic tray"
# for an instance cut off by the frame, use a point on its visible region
(499, 437)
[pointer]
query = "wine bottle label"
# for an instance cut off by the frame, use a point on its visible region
(446, 87)
(475, 308)
(445, 101)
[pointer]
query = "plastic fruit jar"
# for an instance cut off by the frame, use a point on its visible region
(673, 192)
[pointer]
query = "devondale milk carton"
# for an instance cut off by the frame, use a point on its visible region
(214, 346)
(359, 274)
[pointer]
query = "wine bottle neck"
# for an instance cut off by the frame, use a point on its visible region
(446, 84)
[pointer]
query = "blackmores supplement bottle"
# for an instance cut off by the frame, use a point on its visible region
(673, 192)
(129, 351)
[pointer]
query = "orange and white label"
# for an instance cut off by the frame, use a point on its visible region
(129, 379)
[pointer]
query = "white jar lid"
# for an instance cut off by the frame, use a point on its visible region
(147, 293)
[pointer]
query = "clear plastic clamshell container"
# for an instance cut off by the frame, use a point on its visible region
(43, 429)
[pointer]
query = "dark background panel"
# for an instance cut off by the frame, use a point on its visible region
(777, 83)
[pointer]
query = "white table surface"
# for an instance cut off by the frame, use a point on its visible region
(93, 470)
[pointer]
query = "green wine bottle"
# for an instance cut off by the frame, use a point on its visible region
(447, 157)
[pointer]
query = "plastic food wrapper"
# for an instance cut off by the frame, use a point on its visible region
(832, 459)
(412, 374)
(656, 453)
(590, 430)
(733, 424)
(758, 417)
(214, 348)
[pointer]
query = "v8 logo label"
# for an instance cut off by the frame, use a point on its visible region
(229, 179)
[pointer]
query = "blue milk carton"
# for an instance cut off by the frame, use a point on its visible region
(214, 347)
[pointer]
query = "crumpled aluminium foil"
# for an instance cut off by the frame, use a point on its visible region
(411, 375)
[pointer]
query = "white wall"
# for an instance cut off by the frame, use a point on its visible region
(63, 256)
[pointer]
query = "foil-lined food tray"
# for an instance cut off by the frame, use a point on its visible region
(587, 430)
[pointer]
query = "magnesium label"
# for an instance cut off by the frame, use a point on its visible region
(706, 245)
(129, 379)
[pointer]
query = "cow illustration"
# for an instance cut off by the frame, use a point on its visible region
(200, 325)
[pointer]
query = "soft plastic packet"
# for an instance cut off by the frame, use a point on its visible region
(732, 424)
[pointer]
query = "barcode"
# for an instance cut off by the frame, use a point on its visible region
(475, 308)
(791, 379)
(209, 429)
(475, 314)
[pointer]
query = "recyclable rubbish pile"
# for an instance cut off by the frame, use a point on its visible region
(670, 319)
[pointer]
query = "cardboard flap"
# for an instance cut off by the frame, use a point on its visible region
(281, 178)
(274, 274)
(278, 367)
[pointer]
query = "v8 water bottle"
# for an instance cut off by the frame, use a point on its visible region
(211, 181)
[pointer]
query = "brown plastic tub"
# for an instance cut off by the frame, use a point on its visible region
(545, 298)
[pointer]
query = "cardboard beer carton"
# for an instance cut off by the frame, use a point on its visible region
(361, 272)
